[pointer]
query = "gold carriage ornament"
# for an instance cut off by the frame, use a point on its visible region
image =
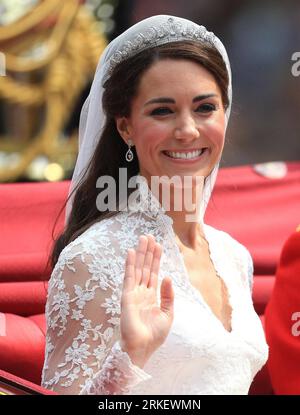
(47, 57)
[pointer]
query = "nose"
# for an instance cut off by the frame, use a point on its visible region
(186, 129)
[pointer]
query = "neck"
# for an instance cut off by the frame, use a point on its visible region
(186, 215)
(189, 234)
(182, 202)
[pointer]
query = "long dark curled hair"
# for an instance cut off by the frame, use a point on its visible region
(109, 156)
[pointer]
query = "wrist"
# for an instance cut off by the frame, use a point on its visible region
(137, 357)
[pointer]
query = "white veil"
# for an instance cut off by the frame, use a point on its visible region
(150, 32)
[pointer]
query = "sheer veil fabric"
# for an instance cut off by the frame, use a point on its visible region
(148, 33)
(82, 353)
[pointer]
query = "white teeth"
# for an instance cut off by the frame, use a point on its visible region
(189, 155)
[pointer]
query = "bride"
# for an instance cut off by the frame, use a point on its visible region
(142, 300)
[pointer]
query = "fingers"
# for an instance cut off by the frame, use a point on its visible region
(142, 264)
(167, 296)
(148, 260)
(129, 278)
(140, 258)
(155, 266)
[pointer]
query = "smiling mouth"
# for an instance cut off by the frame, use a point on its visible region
(185, 155)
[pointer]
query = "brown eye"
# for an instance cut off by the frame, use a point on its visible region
(206, 108)
(161, 111)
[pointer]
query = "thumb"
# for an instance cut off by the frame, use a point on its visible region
(167, 296)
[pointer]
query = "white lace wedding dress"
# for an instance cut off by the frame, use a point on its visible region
(199, 356)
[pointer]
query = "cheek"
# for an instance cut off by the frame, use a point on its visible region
(148, 135)
(215, 131)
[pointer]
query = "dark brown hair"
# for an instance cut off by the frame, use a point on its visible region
(109, 156)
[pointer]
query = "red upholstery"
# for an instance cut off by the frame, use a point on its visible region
(22, 346)
(258, 212)
(23, 298)
(19, 386)
(27, 212)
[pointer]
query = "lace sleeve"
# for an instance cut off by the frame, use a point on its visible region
(83, 355)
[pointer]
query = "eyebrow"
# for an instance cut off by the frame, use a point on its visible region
(166, 100)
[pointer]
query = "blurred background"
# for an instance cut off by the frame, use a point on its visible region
(50, 48)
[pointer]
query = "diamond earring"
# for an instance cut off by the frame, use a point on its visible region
(129, 154)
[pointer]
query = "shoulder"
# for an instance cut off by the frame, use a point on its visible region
(89, 268)
(101, 238)
(96, 251)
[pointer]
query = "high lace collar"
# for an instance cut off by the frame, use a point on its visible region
(144, 200)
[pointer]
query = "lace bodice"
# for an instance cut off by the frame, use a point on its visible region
(199, 356)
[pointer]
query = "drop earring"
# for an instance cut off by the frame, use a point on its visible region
(129, 154)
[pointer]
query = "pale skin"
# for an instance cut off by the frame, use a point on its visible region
(178, 107)
(144, 324)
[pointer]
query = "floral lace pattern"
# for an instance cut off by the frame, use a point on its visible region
(115, 368)
(199, 356)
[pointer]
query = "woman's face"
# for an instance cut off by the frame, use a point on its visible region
(177, 120)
